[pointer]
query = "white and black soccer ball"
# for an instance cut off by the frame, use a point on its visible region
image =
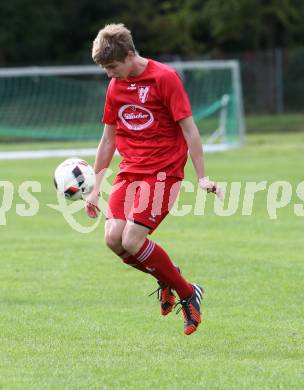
(74, 178)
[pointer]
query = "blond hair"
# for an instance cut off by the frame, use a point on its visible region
(112, 43)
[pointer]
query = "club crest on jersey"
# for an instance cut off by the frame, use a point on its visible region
(143, 93)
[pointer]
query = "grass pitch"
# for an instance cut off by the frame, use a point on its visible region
(74, 317)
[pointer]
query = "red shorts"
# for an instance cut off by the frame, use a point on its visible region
(144, 199)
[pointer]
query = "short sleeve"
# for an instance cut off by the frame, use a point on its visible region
(174, 96)
(109, 116)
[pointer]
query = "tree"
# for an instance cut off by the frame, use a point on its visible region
(61, 31)
(251, 24)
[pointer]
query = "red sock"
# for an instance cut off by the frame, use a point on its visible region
(132, 261)
(156, 260)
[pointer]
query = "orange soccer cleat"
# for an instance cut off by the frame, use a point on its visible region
(166, 297)
(191, 310)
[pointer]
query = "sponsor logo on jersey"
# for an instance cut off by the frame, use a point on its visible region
(143, 93)
(135, 117)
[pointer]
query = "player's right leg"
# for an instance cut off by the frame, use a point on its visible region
(113, 234)
(118, 205)
(113, 239)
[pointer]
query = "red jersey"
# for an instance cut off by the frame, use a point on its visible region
(146, 110)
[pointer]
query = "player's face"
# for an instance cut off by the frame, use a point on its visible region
(118, 69)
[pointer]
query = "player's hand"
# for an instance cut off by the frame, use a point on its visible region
(91, 205)
(211, 186)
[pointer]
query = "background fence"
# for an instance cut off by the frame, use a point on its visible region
(272, 80)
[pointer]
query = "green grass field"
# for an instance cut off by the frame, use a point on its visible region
(74, 317)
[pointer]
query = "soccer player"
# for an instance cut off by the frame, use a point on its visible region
(147, 117)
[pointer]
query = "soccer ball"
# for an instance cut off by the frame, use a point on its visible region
(74, 178)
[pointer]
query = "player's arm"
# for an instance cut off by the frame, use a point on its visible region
(104, 155)
(194, 143)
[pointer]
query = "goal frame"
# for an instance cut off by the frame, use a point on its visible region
(180, 66)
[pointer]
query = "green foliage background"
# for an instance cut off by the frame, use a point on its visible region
(61, 31)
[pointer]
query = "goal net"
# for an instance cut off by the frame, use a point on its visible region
(66, 103)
